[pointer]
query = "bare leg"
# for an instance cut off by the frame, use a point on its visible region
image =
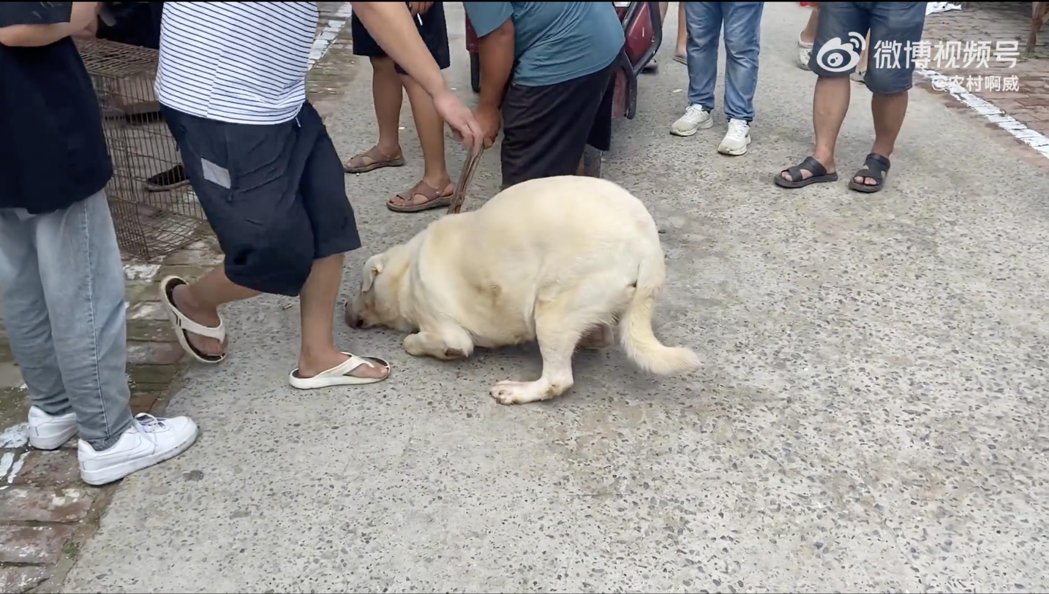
(200, 302)
(386, 92)
(317, 302)
(808, 34)
(830, 103)
(682, 32)
(889, 112)
(387, 97)
(652, 65)
(431, 135)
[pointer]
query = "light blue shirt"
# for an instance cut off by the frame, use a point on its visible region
(553, 41)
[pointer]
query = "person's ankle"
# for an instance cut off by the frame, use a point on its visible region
(389, 150)
(440, 181)
(826, 160)
(190, 307)
(312, 362)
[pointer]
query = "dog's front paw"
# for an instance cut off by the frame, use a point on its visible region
(509, 392)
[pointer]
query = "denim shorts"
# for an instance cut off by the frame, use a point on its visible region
(895, 27)
(275, 195)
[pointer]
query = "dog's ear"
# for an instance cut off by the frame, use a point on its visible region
(372, 268)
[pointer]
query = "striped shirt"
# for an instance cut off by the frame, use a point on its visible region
(237, 62)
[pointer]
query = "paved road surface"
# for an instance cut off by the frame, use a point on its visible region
(871, 414)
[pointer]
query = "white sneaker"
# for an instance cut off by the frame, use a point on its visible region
(47, 432)
(696, 118)
(146, 442)
(736, 139)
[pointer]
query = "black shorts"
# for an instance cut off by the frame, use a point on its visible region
(432, 29)
(275, 195)
(546, 129)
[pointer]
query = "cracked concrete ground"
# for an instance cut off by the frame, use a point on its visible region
(871, 414)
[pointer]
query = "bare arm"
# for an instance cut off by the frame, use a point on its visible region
(82, 15)
(497, 62)
(496, 52)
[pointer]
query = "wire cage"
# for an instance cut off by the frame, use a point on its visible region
(155, 211)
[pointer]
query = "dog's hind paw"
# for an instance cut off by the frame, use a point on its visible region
(509, 392)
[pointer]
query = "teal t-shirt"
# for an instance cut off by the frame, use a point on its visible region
(553, 41)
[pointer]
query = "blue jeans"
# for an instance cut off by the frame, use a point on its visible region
(742, 41)
(62, 283)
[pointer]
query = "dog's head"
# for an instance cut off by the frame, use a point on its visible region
(378, 303)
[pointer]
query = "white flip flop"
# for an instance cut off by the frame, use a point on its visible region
(338, 375)
(182, 324)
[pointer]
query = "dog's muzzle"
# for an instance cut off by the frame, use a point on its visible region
(352, 319)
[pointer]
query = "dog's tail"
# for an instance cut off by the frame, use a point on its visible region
(635, 327)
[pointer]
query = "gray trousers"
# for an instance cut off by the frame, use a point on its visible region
(62, 283)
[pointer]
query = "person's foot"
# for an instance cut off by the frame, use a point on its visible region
(312, 366)
(810, 171)
(424, 195)
(681, 55)
(871, 177)
(736, 139)
(375, 158)
(804, 54)
(168, 180)
(49, 432)
(181, 297)
(148, 441)
(828, 166)
(696, 118)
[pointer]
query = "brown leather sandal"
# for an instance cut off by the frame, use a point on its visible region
(434, 199)
(378, 160)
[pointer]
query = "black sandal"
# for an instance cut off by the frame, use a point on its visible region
(875, 167)
(818, 171)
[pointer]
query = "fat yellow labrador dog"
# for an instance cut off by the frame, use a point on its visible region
(558, 260)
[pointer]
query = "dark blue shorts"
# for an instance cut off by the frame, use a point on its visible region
(895, 28)
(275, 195)
(431, 26)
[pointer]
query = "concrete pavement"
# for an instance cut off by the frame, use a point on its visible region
(871, 414)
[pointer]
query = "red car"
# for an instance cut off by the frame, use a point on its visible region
(644, 34)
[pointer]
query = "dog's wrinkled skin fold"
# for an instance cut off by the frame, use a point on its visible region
(559, 260)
